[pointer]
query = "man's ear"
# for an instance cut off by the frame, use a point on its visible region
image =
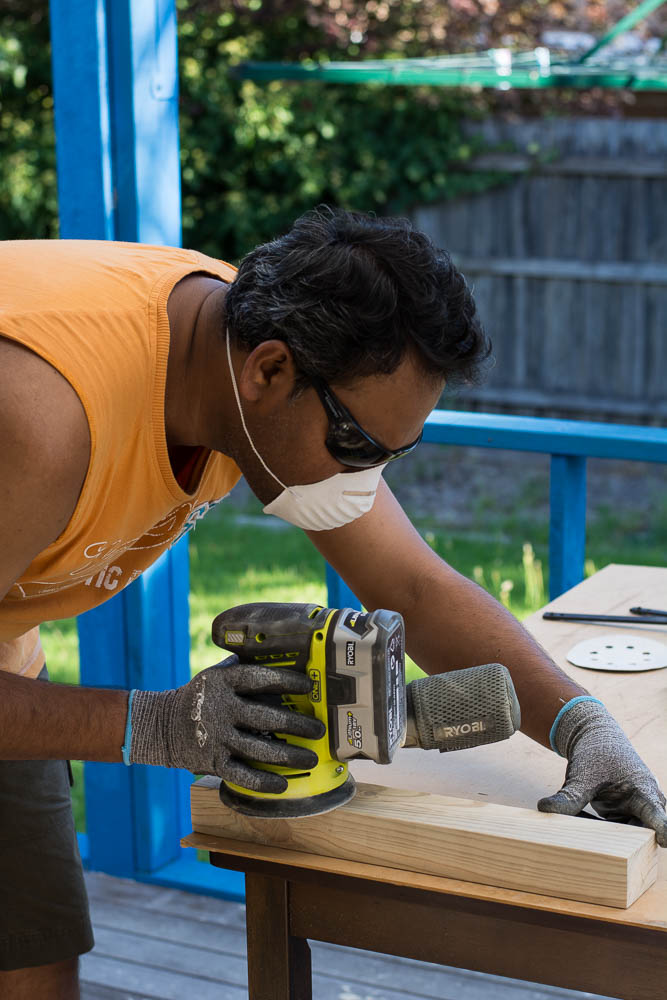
(268, 375)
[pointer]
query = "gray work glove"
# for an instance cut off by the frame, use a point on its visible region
(605, 770)
(207, 727)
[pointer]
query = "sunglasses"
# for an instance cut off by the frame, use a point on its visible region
(347, 441)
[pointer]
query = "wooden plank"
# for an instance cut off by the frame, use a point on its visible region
(151, 981)
(105, 887)
(656, 350)
(561, 269)
(524, 397)
(597, 166)
(92, 992)
(579, 135)
(386, 977)
(136, 949)
(343, 984)
(138, 897)
(457, 838)
(170, 927)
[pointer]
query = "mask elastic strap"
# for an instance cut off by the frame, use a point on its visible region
(238, 403)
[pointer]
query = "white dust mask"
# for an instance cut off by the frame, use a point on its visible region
(330, 503)
(321, 506)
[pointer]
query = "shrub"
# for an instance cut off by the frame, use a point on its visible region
(256, 156)
(253, 157)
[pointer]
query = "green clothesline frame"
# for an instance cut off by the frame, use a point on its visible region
(498, 68)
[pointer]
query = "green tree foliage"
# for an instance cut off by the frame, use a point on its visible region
(28, 197)
(255, 157)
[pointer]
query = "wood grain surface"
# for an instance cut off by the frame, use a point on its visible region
(475, 841)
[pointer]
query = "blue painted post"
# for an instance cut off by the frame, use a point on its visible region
(83, 139)
(116, 91)
(143, 85)
(339, 594)
(567, 536)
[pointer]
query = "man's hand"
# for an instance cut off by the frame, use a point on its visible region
(207, 727)
(605, 770)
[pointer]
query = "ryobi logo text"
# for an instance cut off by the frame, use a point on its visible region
(464, 729)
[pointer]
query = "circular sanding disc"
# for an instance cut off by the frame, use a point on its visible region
(616, 651)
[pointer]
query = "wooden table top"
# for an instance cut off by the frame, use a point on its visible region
(519, 771)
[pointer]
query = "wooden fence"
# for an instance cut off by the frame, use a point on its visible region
(568, 261)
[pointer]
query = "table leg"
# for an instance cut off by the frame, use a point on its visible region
(278, 962)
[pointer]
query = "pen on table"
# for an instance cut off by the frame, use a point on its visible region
(626, 619)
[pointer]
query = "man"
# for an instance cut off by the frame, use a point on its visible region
(136, 385)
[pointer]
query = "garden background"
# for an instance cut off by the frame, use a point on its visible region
(254, 157)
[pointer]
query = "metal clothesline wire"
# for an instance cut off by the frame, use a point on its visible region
(499, 68)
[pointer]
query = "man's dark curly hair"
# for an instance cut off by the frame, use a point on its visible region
(350, 294)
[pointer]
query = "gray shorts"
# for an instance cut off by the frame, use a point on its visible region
(43, 902)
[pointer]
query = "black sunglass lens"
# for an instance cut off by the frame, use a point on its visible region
(357, 451)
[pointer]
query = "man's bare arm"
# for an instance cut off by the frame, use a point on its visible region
(450, 622)
(41, 721)
(43, 463)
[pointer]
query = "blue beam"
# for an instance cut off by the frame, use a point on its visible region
(143, 90)
(139, 639)
(109, 788)
(83, 137)
(116, 95)
(339, 594)
(562, 437)
(567, 526)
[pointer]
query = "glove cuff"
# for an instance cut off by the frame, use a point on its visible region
(127, 742)
(147, 741)
(560, 733)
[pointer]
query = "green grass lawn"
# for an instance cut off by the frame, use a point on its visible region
(237, 557)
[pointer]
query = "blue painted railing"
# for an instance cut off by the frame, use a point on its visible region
(116, 104)
(570, 443)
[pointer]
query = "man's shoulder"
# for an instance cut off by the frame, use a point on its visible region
(43, 459)
(43, 424)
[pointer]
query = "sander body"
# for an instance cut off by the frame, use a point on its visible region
(356, 662)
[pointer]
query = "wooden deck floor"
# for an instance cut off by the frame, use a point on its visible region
(162, 944)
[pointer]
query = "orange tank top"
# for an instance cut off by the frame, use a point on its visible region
(97, 312)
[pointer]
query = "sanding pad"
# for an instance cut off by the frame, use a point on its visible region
(266, 808)
(615, 651)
